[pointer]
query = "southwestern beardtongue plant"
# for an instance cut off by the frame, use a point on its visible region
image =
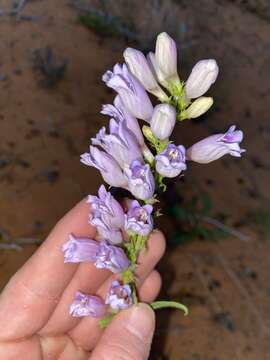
(124, 160)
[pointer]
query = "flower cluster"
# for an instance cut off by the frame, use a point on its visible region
(138, 159)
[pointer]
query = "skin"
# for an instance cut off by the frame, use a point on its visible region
(34, 317)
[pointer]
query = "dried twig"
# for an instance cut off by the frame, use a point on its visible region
(244, 292)
(11, 246)
(15, 243)
(15, 10)
(218, 224)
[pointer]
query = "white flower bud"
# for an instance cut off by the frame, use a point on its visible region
(139, 67)
(163, 121)
(166, 56)
(202, 76)
(199, 107)
(151, 58)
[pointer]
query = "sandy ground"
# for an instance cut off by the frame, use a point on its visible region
(43, 131)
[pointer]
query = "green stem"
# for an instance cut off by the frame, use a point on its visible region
(103, 323)
(169, 304)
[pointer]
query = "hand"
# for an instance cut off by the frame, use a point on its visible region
(34, 306)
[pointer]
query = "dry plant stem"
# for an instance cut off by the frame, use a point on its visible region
(11, 246)
(225, 228)
(16, 243)
(16, 10)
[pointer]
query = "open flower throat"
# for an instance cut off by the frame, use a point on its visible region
(139, 159)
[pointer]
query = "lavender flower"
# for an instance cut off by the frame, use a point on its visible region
(87, 305)
(171, 162)
(130, 90)
(108, 209)
(108, 167)
(119, 296)
(107, 216)
(139, 67)
(202, 76)
(121, 143)
(215, 146)
(79, 250)
(141, 182)
(163, 121)
(104, 255)
(139, 219)
(119, 112)
(112, 258)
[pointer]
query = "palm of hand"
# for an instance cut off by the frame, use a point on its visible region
(34, 306)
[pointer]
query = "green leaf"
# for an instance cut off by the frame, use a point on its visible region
(169, 304)
(207, 205)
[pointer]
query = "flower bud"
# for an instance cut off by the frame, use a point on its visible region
(139, 67)
(215, 146)
(199, 107)
(151, 58)
(166, 56)
(163, 121)
(202, 76)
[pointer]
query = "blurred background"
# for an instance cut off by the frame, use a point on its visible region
(217, 218)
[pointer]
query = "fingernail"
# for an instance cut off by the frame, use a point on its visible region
(141, 321)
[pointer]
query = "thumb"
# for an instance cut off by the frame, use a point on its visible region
(129, 335)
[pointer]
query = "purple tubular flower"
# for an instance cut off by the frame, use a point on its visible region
(107, 216)
(130, 90)
(141, 182)
(119, 296)
(119, 112)
(79, 250)
(108, 167)
(112, 258)
(139, 219)
(215, 146)
(121, 143)
(87, 305)
(108, 209)
(171, 162)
